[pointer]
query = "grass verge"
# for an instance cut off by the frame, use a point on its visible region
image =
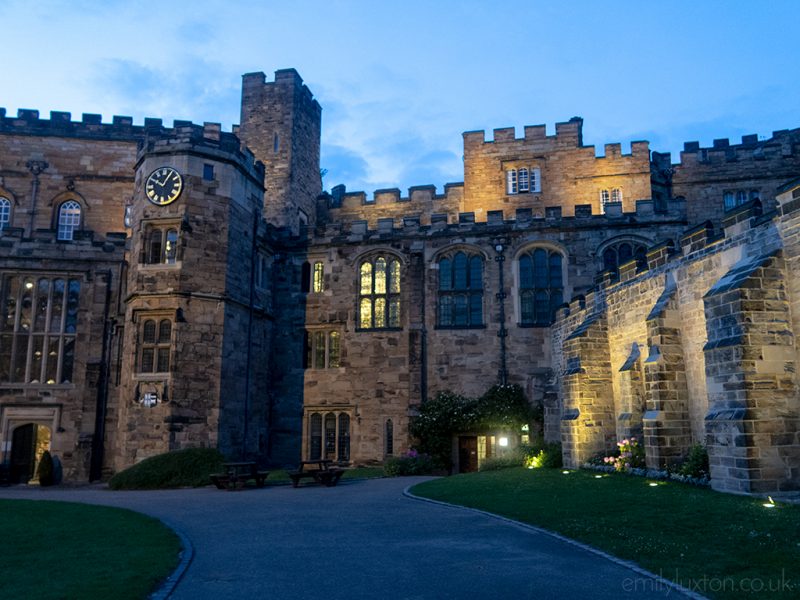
(66, 550)
(719, 545)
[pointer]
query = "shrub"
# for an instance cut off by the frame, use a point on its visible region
(630, 456)
(547, 456)
(46, 470)
(502, 407)
(696, 463)
(410, 463)
(181, 468)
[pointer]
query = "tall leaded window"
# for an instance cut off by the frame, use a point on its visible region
(605, 198)
(5, 213)
(69, 219)
(318, 284)
(616, 195)
(541, 286)
(379, 293)
(162, 246)
(389, 434)
(155, 346)
(38, 325)
(460, 290)
(329, 436)
(315, 437)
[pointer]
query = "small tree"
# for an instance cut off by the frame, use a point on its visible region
(46, 470)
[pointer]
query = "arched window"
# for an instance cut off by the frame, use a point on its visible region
(161, 246)
(621, 252)
(69, 219)
(379, 293)
(541, 286)
(5, 213)
(329, 436)
(460, 290)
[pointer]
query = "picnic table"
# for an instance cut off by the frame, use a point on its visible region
(237, 474)
(321, 471)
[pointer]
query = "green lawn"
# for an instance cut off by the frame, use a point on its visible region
(77, 551)
(720, 545)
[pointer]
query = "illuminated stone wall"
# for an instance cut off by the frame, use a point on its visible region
(714, 325)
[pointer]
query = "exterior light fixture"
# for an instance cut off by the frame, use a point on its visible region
(565, 472)
(503, 441)
(653, 484)
(598, 476)
(770, 504)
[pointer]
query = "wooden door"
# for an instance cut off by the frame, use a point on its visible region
(467, 453)
(23, 453)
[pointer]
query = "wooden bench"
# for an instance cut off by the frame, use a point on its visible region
(236, 475)
(321, 471)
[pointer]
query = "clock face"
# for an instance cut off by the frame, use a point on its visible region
(163, 186)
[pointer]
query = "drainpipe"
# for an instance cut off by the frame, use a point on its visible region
(501, 296)
(36, 167)
(96, 465)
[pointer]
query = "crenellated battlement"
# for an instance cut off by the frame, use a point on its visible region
(208, 136)
(569, 135)
(60, 124)
(375, 220)
(783, 144)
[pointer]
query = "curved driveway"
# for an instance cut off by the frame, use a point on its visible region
(361, 539)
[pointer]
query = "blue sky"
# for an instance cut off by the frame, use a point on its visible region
(400, 81)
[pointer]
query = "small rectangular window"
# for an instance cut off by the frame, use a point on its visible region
(322, 350)
(605, 198)
(536, 185)
(522, 180)
(319, 274)
(208, 172)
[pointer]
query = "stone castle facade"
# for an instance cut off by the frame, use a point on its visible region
(170, 287)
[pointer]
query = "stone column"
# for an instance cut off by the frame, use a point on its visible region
(667, 429)
(587, 423)
(752, 422)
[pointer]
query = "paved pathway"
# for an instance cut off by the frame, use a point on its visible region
(361, 539)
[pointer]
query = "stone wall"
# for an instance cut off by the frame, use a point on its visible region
(713, 327)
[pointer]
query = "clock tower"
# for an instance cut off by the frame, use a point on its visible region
(197, 312)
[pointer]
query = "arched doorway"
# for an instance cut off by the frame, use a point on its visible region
(28, 443)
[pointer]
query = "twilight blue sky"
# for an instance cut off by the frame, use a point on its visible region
(399, 81)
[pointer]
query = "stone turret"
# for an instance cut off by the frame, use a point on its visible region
(280, 123)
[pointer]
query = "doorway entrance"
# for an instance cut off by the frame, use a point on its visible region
(28, 443)
(467, 453)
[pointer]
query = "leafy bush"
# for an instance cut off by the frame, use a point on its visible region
(181, 468)
(410, 463)
(630, 456)
(547, 456)
(502, 407)
(46, 470)
(696, 463)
